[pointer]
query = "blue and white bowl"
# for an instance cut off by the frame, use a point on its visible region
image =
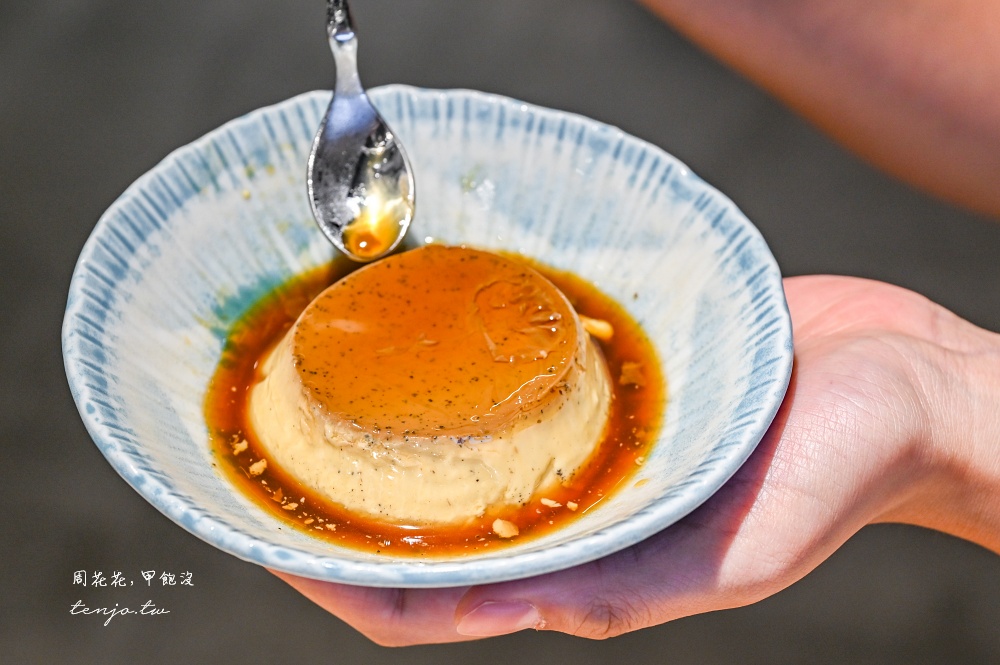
(191, 244)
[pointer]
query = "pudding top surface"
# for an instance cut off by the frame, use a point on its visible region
(437, 341)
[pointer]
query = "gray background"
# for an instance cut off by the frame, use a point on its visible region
(95, 92)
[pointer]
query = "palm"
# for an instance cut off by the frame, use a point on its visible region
(828, 465)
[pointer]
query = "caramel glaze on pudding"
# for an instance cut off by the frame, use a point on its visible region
(437, 341)
(423, 400)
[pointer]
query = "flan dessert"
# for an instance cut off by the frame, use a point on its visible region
(433, 387)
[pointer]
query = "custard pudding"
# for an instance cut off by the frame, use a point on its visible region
(433, 387)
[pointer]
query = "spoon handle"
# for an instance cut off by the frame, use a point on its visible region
(344, 45)
(338, 20)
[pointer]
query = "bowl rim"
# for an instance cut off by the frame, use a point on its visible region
(417, 573)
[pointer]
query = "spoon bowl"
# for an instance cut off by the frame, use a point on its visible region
(359, 179)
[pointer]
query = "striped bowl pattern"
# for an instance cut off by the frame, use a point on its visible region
(191, 244)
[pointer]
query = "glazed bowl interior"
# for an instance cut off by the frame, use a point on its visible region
(221, 222)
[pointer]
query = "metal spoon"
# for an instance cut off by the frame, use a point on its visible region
(359, 180)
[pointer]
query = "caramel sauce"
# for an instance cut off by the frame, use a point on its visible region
(636, 408)
(383, 210)
(368, 238)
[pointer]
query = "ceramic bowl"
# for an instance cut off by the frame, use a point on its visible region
(194, 242)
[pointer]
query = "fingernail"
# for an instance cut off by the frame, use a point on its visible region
(499, 618)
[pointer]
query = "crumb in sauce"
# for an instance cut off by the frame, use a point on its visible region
(632, 375)
(598, 328)
(505, 529)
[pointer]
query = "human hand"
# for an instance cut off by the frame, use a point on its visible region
(889, 417)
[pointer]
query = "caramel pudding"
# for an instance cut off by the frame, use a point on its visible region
(433, 387)
(251, 357)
